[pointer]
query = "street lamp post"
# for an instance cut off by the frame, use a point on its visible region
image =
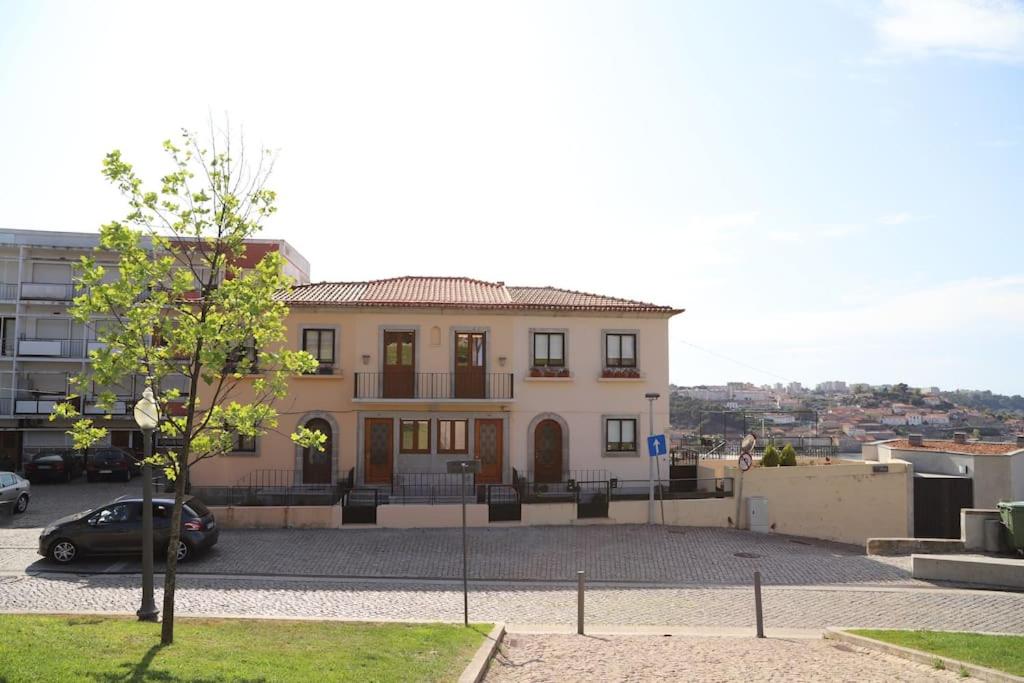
(651, 398)
(147, 416)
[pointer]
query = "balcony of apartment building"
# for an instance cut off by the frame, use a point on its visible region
(56, 347)
(35, 393)
(399, 379)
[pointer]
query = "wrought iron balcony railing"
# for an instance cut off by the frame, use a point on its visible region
(434, 385)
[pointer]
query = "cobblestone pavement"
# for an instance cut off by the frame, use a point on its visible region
(537, 658)
(636, 553)
(784, 607)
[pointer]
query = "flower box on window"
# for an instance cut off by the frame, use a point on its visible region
(549, 372)
(621, 373)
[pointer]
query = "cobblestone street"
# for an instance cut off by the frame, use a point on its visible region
(639, 575)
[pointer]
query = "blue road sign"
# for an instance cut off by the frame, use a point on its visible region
(656, 445)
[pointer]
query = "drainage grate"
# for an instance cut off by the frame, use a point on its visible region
(749, 556)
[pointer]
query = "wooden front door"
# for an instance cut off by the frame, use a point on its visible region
(378, 450)
(547, 452)
(489, 450)
(316, 464)
(399, 364)
(470, 365)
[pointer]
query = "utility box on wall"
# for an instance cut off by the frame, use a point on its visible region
(757, 514)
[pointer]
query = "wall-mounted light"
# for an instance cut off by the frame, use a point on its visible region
(501, 360)
(366, 359)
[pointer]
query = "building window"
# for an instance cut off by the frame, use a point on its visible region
(620, 350)
(620, 435)
(320, 344)
(451, 436)
(415, 436)
(244, 444)
(549, 349)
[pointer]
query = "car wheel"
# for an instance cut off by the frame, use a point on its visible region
(63, 551)
(184, 551)
(21, 504)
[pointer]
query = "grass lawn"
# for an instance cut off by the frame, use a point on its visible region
(1005, 653)
(61, 648)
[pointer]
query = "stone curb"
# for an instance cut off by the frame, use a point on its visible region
(477, 667)
(955, 665)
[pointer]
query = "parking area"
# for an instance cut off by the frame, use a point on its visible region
(53, 500)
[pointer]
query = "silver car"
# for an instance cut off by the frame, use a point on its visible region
(14, 491)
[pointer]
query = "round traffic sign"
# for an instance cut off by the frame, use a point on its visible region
(745, 461)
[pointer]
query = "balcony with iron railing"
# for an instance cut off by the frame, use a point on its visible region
(384, 387)
(8, 291)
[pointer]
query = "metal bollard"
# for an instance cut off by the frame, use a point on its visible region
(757, 605)
(579, 602)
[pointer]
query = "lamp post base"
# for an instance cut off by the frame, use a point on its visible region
(148, 614)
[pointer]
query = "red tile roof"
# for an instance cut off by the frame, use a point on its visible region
(458, 292)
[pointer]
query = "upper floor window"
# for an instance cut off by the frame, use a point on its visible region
(244, 444)
(620, 350)
(451, 436)
(415, 436)
(320, 344)
(549, 349)
(620, 435)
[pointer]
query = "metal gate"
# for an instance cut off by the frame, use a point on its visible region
(937, 504)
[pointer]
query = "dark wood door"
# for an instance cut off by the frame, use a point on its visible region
(489, 450)
(316, 464)
(470, 365)
(399, 364)
(937, 505)
(547, 452)
(378, 450)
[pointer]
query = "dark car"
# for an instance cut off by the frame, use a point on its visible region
(116, 463)
(58, 464)
(14, 491)
(116, 529)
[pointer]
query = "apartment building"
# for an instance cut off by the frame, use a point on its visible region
(417, 371)
(41, 347)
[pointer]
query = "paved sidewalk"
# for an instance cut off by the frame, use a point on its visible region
(538, 658)
(793, 607)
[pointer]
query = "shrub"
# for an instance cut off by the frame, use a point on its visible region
(770, 457)
(788, 458)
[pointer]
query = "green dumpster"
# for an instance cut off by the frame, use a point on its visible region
(1012, 515)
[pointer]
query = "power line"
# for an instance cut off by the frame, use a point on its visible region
(737, 362)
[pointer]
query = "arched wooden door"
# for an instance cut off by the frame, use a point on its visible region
(547, 452)
(316, 464)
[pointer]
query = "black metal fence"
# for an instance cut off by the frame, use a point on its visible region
(503, 503)
(672, 489)
(592, 498)
(432, 488)
(270, 487)
(434, 385)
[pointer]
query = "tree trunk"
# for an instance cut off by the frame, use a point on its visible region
(171, 573)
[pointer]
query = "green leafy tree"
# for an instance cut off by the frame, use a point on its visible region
(184, 315)
(770, 457)
(788, 456)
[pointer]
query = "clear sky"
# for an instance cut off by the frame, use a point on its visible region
(832, 189)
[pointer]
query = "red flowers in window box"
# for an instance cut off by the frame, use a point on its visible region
(621, 373)
(549, 372)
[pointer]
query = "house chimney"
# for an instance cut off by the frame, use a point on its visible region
(959, 437)
(1020, 441)
(915, 439)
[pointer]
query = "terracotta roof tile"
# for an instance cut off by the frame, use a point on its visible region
(459, 292)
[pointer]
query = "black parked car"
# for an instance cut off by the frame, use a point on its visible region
(59, 464)
(116, 529)
(116, 463)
